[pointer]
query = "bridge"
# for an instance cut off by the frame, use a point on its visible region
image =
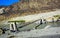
(13, 24)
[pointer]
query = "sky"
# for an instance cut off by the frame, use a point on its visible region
(7, 2)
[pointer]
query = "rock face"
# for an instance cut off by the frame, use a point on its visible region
(27, 7)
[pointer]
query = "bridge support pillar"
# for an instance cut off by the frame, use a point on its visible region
(13, 27)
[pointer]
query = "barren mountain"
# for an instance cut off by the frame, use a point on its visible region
(27, 7)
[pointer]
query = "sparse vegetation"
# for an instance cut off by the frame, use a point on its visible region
(57, 16)
(28, 7)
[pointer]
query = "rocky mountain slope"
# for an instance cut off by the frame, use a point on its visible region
(27, 7)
